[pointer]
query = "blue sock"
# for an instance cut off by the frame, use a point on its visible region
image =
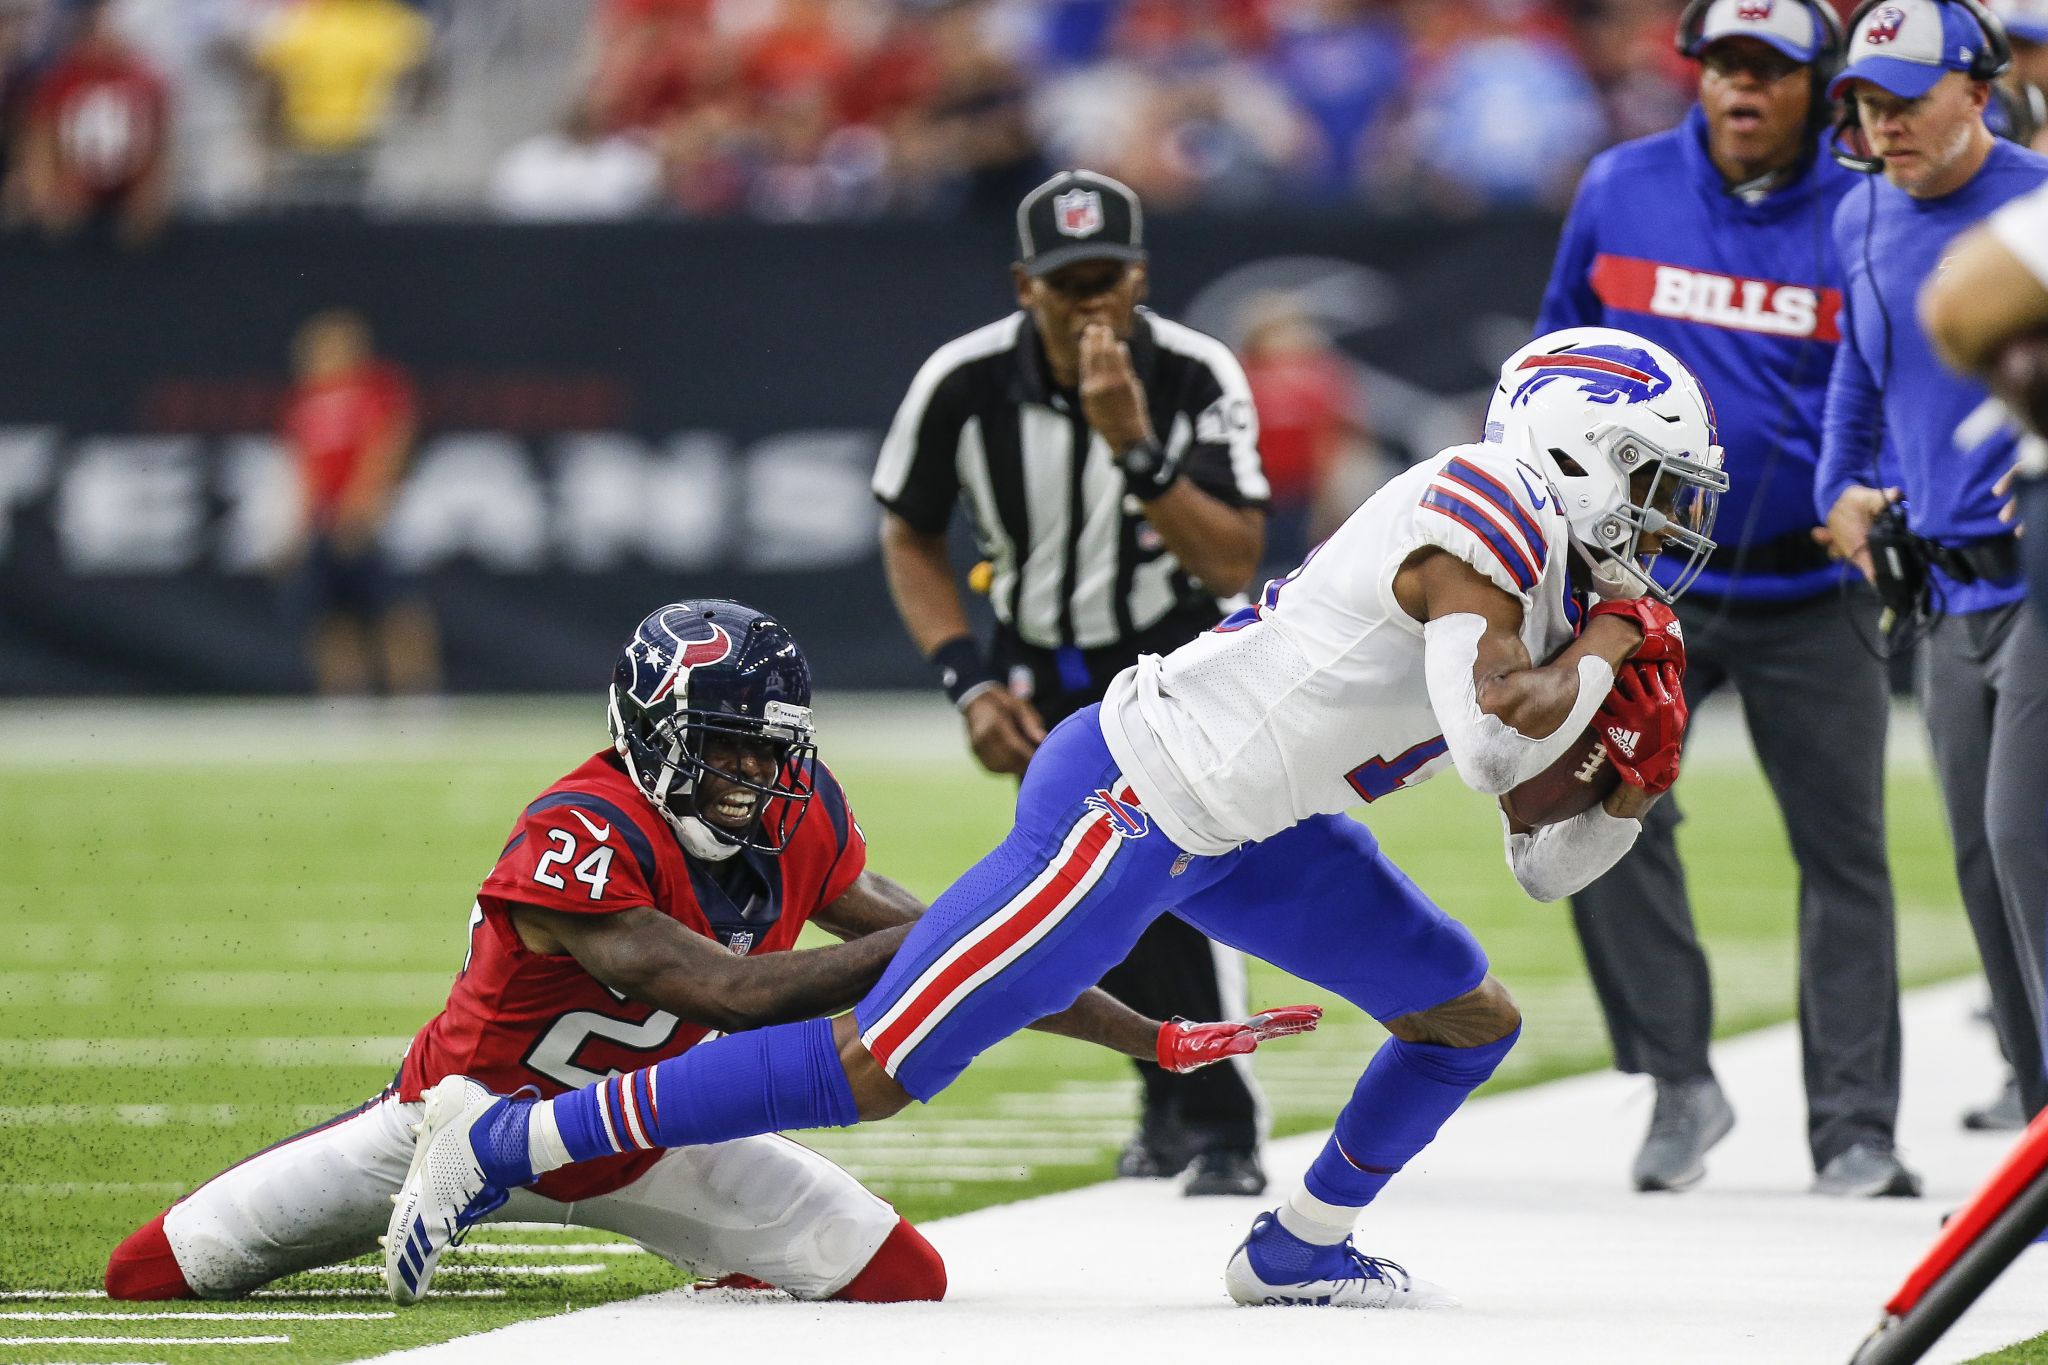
(1406, 1093)
(764, 1081)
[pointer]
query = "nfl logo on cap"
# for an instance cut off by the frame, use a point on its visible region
(1078, 216)
(1078, 213)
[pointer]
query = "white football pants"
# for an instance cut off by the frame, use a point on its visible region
(760, 1206)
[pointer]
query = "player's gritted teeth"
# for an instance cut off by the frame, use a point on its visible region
(734, 808)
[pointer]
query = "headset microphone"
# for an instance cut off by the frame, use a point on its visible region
(1850, 145)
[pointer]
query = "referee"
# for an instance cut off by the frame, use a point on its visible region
(1110, 461)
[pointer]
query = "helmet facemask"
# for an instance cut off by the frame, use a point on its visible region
(665, 753)
(1663, 493)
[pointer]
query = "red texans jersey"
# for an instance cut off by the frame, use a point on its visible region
(594, 845)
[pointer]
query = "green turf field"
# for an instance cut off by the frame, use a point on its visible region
(221, 925)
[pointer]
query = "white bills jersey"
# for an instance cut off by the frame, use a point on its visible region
(1314, 699)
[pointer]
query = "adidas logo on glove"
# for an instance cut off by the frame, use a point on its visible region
(1624, 740)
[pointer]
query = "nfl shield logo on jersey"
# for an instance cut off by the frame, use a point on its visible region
(741, 943)
(1078, 213)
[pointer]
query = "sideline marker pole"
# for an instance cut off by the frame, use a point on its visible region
(1979, 1241)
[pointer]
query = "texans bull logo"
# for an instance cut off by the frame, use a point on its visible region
(1885, 25)
(689, 654)
(1607, 374)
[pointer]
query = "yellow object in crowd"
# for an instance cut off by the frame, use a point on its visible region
(336, 63)
(981, 577)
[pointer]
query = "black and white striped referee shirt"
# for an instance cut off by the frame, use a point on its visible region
(1076, 563)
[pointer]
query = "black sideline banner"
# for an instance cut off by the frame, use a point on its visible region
(613, 417)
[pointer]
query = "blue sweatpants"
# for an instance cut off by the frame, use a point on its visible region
(1084, 870)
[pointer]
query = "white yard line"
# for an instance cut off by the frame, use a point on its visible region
(477, 1246)
(183, 1052)
(47, 1295)
(168, 1314)
(369, 1294)
(585, 1269)
(144, 1341)
(1521, 1206)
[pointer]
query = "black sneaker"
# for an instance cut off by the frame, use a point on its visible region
(1226, 1170)
(1159, 1150)
(1140, 1160)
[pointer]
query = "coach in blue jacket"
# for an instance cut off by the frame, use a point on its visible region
(1898, 423)
(1713, 239)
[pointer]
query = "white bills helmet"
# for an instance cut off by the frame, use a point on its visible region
(1626, 435)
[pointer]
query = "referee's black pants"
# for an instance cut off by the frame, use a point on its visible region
(1173, 970)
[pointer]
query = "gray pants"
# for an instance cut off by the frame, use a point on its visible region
(1816, 704)
(1984, 684)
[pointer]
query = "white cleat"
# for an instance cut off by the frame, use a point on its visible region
(1273, 1267)
(445, 1190)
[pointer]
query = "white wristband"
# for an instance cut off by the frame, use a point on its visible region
(1554, 861)
(1492, 756)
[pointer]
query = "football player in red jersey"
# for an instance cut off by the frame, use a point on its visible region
(642, 902)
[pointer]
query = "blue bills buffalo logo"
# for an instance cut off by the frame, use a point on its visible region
(1885, 26)
(1606, 374)
(1123, 812)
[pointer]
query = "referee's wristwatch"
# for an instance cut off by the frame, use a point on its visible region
(1148, 470)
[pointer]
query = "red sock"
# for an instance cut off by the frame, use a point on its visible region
(905, 1269)
(142, 1267)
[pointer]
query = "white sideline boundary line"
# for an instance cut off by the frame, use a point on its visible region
(1521, 1207)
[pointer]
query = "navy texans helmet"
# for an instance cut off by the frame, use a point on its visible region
(700, 670)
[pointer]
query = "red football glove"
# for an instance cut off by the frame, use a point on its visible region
(1663, 641)
(1642, 723)
(1187, 1046)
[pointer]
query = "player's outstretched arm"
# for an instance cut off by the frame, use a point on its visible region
(874, 904)
(645, 955)
(1504, 717)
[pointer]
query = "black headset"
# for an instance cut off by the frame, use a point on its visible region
(1827, 53)
(1993, 60)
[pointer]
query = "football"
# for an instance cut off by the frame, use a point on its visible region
(1579, 778)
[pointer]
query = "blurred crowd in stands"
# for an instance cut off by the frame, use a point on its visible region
(814, 109)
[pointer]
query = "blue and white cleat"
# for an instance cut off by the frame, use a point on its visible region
(1273, 1266)
(445, 1191)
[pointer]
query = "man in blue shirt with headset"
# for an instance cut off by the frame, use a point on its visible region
(1713, 239)
(1902, 429)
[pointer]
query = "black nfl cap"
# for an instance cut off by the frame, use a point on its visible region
(1079, 216)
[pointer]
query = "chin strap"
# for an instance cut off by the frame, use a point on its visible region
(701, 841)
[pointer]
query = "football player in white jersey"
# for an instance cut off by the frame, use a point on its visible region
(1473, 615)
